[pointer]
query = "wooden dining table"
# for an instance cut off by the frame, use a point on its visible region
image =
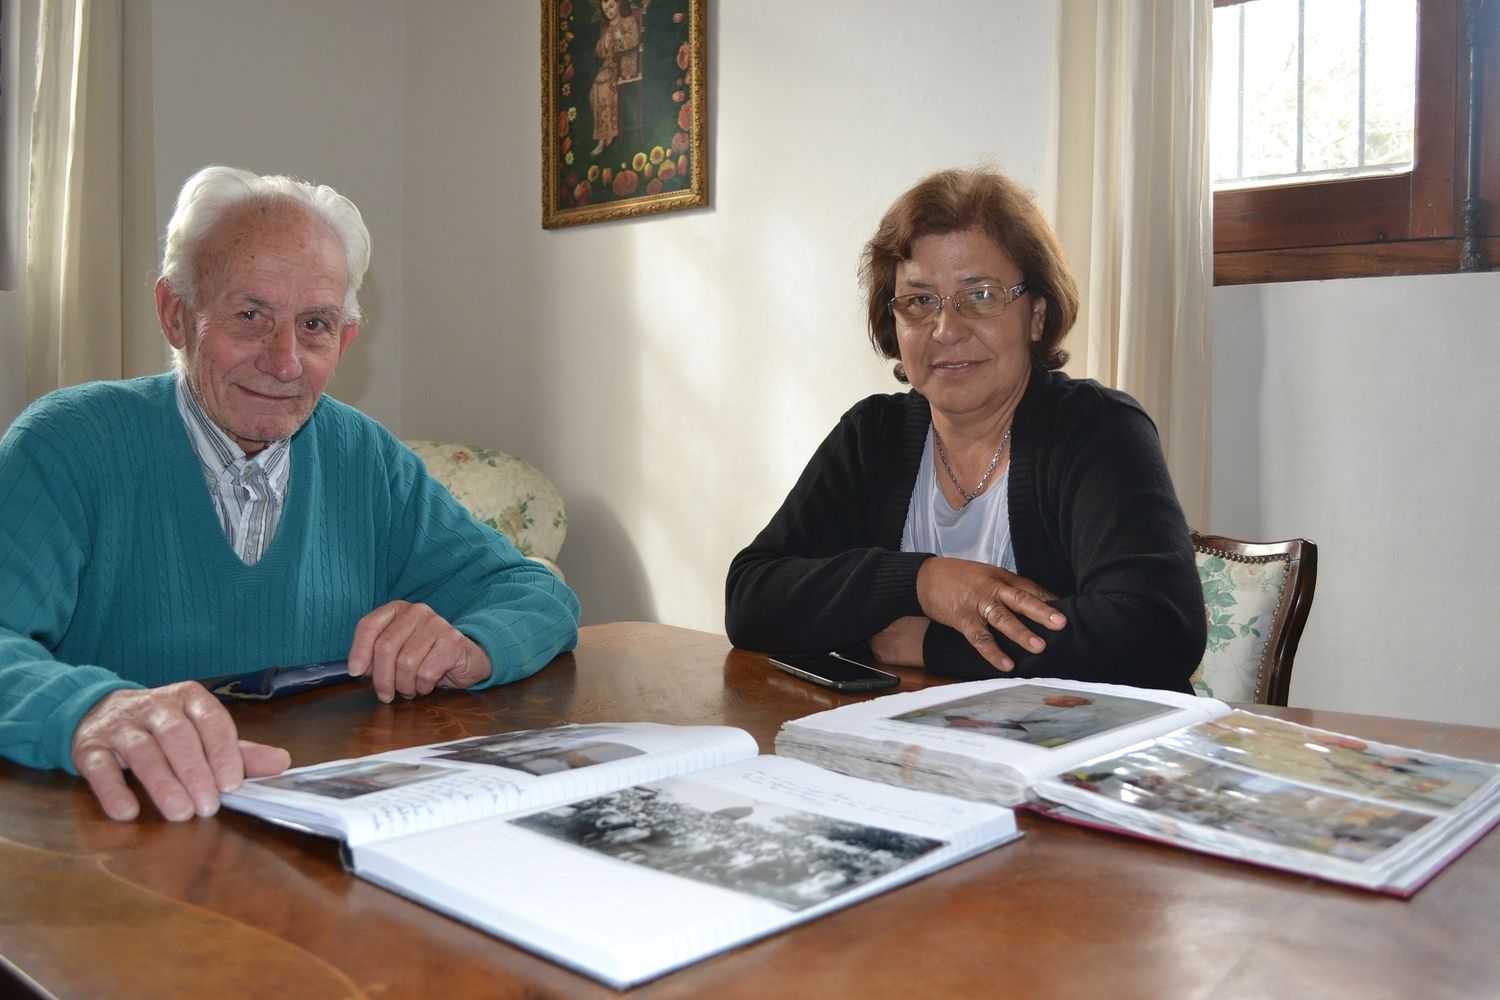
(231, 906)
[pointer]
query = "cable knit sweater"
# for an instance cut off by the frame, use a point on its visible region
(1093, 518)
(115, 572)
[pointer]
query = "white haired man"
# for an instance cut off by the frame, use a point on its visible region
(318, 535)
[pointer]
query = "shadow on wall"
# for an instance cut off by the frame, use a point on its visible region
(1239, 361)
(353, 375)
(603, 566)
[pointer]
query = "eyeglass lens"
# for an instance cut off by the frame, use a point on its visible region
(979, 302)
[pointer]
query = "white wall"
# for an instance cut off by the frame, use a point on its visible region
(672, 374)
(1362, 414)
(306, 87)
(310, 87)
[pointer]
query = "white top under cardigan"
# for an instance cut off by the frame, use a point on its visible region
(980, 531)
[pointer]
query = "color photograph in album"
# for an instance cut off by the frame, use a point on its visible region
(683, 827)
(1036, 714)
(1404, 778)
(1184, 789)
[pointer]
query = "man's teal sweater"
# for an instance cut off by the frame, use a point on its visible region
(115, 572)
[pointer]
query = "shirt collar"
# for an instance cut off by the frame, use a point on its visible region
(219, 453)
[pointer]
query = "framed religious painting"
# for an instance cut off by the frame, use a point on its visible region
(624, 109)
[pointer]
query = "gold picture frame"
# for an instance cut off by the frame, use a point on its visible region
(624, 109)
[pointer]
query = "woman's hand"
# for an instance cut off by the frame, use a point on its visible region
(900, 643)
(974, 597)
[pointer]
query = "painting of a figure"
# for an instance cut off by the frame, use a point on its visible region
(623, 123)
(619, 51)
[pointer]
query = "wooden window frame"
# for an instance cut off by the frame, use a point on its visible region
(1409, 223)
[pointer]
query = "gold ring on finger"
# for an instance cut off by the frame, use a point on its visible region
(985, 614)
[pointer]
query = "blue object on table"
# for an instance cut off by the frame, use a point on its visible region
(278, 682)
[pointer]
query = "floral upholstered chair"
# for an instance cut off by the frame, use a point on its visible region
(1256, 596)
(500, 490)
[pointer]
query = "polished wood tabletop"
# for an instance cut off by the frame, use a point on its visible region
(232, 906)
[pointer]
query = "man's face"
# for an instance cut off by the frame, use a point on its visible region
(267, 328)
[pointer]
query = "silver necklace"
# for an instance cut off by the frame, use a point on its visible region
(969, 498)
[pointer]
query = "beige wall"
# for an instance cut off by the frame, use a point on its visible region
(1362, 414)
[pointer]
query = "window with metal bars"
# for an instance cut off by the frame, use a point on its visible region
(1312, 90)
(1307, 185)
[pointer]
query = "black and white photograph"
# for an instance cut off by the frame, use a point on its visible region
(792, 858)
(541, 751)
(350, 781)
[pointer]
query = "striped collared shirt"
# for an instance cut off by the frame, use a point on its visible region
(248, 491)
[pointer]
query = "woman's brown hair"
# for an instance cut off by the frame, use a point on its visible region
(952, 201)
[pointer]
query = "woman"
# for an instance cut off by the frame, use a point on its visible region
(1000, 516)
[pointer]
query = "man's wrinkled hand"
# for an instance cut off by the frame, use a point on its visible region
(409, 649)
(180, 743)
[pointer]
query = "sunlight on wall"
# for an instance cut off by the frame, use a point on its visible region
(673, 374)
(779, 349)
(744, 393)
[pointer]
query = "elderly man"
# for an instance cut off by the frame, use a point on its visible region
(227, 517)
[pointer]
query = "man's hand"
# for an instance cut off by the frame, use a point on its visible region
(179, 741)
(974, 597)
(409, 649)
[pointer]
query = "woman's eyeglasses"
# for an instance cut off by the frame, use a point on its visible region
(974, 302)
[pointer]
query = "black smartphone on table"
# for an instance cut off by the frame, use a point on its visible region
(834, 670)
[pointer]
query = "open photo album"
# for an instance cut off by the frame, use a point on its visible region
(622, 850)
(1174, 768)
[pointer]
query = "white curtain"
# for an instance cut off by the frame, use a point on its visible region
(90, 215)
(1134, 213)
